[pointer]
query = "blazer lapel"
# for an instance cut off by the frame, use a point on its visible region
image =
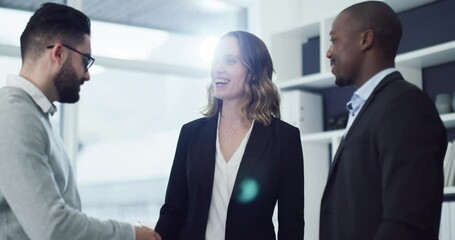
(260, 136)
(381, 85)
(202, 151)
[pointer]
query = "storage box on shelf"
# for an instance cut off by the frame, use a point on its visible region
(298, 111)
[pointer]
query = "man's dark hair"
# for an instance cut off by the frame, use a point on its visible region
(53, 22)
(382, 20)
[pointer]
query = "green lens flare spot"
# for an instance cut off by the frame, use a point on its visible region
(249, 190)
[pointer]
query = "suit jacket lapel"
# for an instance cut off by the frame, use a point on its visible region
(260, 136)
(202, 151)
(381, 85)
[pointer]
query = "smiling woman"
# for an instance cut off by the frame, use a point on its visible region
(232, 166)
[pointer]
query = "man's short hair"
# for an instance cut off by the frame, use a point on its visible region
(382, 20)
(53, 22)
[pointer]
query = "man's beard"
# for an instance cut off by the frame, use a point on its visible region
(343, 81)
(340, 82)
(67, 85)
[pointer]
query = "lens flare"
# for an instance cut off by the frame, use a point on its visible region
(249, 190)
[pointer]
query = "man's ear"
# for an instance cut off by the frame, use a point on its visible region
(367, 39)
(58, 54)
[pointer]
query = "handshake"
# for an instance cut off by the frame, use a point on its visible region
(145, 233)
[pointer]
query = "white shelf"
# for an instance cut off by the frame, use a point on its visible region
(317, 80)
(425, 57)
(429, 56)
(322, 137)
(448, 119)
(326, 137)
(449, 190)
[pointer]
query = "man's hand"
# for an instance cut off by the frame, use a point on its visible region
(145, 233)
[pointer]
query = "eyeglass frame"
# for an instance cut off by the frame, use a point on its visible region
(87, 63)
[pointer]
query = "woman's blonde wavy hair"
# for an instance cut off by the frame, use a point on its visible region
(262, 101)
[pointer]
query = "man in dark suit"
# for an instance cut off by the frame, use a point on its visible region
(386, 179)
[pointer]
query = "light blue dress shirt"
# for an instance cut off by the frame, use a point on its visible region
(361, 95)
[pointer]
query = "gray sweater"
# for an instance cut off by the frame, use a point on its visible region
(39, 199)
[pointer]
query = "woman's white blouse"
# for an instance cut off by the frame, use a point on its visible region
(223, 184)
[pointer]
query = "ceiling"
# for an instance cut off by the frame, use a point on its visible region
(179, 16)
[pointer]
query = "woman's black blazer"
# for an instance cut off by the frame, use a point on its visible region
(271, 170)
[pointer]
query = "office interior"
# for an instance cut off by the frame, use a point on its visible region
(152, 71)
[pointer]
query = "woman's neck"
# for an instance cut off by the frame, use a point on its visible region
(232, 112)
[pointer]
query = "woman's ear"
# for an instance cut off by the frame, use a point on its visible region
(251, 77)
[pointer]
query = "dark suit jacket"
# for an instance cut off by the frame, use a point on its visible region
(272, 161)
(386, 179)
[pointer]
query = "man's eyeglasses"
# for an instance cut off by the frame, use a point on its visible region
(88, 60)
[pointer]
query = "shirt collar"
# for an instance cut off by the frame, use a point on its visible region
(363, 93)
(35, 93)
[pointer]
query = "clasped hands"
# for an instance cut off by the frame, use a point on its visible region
(146, 233)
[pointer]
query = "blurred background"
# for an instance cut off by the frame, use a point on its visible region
(149, 78)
